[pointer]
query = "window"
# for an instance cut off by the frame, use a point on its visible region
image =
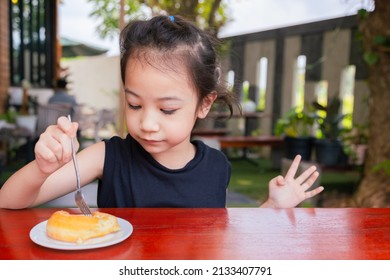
(321, 92)
(262, 71)
(230, 79)
(347, 85)
(32, 42)
(298, 94)
(245, 91)
(321, 95)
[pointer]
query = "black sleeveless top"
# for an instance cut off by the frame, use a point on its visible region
(132, 178)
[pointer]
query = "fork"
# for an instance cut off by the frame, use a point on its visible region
(79, 197)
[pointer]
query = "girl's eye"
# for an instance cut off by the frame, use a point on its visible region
(168, 112)
(134, 107)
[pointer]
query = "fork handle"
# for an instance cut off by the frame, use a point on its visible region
(76, 168)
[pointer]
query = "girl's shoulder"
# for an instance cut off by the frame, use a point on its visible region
(120, 148)
(210, 152)
(119, 143)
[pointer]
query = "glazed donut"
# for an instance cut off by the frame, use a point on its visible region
(68, 227)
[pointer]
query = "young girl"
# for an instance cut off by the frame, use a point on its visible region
(171, 78)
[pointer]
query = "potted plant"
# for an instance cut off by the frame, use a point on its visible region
(328, 145)
(355, 143)
(296, 126)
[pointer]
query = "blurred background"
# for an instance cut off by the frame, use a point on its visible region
(304, 71)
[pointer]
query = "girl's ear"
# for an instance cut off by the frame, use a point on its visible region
(207, 102)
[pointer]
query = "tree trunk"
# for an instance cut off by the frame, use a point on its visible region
(374, 189)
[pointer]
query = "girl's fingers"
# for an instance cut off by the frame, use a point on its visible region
(66, 147)
(306, 174)
(57, 141)
(310, 181)
(45, 153)
(69, 128)
(314, 192)
(293, 168)
(50, 142)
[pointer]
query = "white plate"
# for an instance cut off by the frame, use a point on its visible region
(38, 236)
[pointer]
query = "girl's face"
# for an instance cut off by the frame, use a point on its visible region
(162, 107)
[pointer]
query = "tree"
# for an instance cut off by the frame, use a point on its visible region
(374, 189)
(208, 14)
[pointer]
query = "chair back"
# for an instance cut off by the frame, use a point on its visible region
(49, 113)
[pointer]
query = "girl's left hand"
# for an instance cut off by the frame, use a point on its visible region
(288, 191)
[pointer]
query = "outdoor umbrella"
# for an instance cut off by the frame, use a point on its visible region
(71, 48)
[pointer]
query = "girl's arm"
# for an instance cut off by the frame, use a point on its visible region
(63, 181)
(20, 190)
(52, 174)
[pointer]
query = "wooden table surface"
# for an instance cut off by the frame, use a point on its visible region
(249, 141)
(232, 233)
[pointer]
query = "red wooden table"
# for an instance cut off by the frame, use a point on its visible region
(249, 141)
(210, 132)
(233, 233)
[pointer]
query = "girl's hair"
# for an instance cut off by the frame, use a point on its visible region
(176, 41)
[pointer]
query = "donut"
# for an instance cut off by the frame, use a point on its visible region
(67, 227)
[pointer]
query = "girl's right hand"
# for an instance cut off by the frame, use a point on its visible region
(53, 148)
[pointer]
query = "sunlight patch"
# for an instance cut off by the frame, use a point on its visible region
(245, 182)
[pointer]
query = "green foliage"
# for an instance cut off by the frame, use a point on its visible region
(208, 14)
(295, 123)
(380, 40)
(371, 58)
(358, 134)
(9, 116)
(330, 124)
(355, 141)
(376, 44)
(385, 166)
(108, 13)
(363, 14)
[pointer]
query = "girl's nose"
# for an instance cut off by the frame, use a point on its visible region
(149, 123)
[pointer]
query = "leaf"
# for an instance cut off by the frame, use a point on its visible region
(359, 36)
(385, 166)
(380, 40)
(202, 12)
(371, 58)
(363, 13)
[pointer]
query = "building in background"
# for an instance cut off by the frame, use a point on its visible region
(28, 45)
(296, 65)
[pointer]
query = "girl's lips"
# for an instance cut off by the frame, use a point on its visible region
(150, 141)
